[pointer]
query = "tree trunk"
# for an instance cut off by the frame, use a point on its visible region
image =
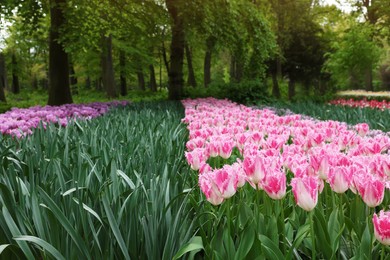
(15, 77)
(88, 83)
(3, 77)
(152, 83)
(59, 89)
(275, 85)
(165, 58)
(291, 89)
(108, 77)
(232, 69)
(207, 61)
(122, 64)
(175, 75)
(191, 81)
(73, 79)
(141, 79)
(368, 79)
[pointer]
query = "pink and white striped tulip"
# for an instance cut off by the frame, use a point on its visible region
(371, 189)
(305, 191)
(340, 179)
(382, 227)
(274, 184)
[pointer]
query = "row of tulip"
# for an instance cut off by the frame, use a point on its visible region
(362, 103)
(20, 121)
(231, 145)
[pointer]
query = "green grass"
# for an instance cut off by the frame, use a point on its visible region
(110, 188)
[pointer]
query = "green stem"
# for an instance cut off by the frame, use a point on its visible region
(383, 252)
(283, 233)
(313, 251)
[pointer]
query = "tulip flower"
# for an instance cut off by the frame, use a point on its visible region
(274, 184)
(196, 158)
(254, 168)
(340, 179)
(305, 191)
(370, 188)
(206, 187)
(382, 227)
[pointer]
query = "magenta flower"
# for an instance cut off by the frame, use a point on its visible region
(382, 227)
(305, 191)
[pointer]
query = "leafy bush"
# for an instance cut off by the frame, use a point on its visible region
(245, 92)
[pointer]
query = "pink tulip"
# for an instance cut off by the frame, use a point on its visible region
(340, 179)
(382, 227)
(205, 185)
(274, 184)
(370, 188)
(305, 191)
(225, 181)
(196, 158)
(226, 148)
(319, 161)
(362, 129)
(254, 168)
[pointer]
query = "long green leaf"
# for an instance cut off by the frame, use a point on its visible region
(16, 232)
(63, 220)
(42, 243)
(194, 245)
(115, 228)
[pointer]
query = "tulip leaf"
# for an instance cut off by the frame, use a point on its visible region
(321, 231)
(270, 249)
(42, 243)
(194, 245)
(365, 244)
(248, 237)
(302, 233)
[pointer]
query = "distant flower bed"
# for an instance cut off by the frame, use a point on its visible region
(362, 103)
(20, 121)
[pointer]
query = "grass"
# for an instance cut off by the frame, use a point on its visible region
(111, 188)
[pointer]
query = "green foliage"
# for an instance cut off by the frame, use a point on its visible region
(354, 53)
(245, 92)
(110, 188)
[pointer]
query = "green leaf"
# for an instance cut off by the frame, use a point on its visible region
(114, 227)
(42, 243)
(194, 245)
(302, 233)
(270, 249)
(365, 244)
(63, 220)
(3, 247)
(16, 232)
(245, 245)
(322, 235)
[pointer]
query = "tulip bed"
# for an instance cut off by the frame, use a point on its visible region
(382, 105)
(338, 175)
(20, 121)
(214, 181)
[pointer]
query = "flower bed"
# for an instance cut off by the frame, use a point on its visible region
(362, 103)
(231, 145)
(20, 121)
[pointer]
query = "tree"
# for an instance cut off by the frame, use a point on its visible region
(3, 78)
(175, 74)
